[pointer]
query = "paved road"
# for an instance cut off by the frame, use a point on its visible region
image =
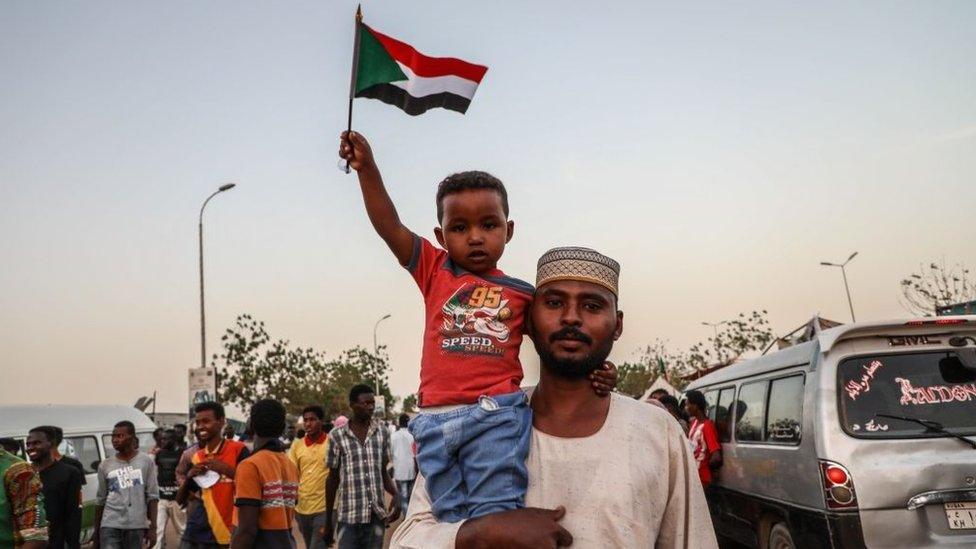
(171, 541)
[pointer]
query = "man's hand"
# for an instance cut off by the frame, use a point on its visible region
(196, 470)
(393, 511)
(149, 539)
(326, 532)
(528, 528)
(354, 149)
(604, 379)
(220, 467)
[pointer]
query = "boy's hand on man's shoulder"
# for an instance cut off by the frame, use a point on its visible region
(354, 149)
(604, 379)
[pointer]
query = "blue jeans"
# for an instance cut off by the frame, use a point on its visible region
(473, 458)
(361, 536)
(117, 538)
(405, 487)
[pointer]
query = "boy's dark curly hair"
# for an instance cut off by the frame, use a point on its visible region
(464, 181)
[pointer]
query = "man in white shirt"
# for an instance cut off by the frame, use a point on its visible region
(603, 472)
(404, 461)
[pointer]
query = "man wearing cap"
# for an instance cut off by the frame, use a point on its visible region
(603, 472)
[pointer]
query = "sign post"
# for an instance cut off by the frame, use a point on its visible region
(202, 386)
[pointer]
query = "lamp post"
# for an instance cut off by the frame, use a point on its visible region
(376, 349)
(203, 322)
(847, 287)
(715, 326)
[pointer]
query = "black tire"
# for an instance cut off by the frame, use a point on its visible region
(780, 538)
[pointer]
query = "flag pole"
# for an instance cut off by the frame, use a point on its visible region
(355, 66)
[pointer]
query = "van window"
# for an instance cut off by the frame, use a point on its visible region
(84, 449)
(711, 399)
(929, 386)
(784, 417)
(723, 414)
(749, 411)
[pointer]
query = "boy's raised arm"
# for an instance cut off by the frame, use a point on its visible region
(382, 213)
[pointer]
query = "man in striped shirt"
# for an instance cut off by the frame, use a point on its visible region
(266, 485)
(358, 456)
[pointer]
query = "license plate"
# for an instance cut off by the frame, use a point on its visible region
(961, 515)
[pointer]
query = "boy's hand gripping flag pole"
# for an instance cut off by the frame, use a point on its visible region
(394, 72)
(355, 63)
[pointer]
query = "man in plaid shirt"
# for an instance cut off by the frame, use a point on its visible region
(358, 456)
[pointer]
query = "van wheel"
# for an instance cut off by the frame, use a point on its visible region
(780, 538)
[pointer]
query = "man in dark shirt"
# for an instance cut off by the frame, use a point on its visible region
(167, 458)
(61, 485)
(56, 454)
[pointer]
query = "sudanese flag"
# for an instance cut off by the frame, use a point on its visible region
(396, 73)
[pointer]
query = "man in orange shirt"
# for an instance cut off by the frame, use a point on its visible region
(211, 480)
(267, 485)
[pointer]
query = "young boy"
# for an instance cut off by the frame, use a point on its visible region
(473, 430)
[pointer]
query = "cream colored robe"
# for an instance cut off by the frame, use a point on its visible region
(632, 484)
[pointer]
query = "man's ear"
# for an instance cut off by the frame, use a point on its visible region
(511, 231)
(620, 326)
(439, 235)
(527, 322)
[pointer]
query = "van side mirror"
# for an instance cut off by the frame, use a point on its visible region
(967, 356)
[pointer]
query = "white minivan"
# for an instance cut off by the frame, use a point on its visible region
(87, 438)
(864, 435)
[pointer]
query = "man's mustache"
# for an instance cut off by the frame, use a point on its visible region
(572, 334)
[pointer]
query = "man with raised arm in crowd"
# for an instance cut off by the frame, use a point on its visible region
(603, 472)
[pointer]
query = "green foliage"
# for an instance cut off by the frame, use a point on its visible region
(252, 367)
(738, 336)
(409, 404)
(634, 378)
(937, 286)
(744, 333)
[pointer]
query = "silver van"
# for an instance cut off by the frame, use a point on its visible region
(860, 436)
(87, 438)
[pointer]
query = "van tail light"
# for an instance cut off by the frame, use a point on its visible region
(937, 322)
(838, 486)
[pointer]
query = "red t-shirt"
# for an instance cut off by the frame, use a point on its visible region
(704, 442)
(472, 329)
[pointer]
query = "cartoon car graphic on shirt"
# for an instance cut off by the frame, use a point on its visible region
(476, 310)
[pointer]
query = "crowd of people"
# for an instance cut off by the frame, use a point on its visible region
(218, 492)
(495, 465)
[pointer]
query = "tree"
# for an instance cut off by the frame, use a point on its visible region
(742, 334)
(654, 360)
(738, 336)
(634, 378)
(939, 285)
(409, 404)
(255, 367)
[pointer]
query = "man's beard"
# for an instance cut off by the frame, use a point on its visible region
(572, 368)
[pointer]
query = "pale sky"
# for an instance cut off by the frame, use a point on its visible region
(718, 151)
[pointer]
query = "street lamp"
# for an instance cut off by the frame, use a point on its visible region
(715, 326)
(847, 287)
(203, 323)
(376, 349)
